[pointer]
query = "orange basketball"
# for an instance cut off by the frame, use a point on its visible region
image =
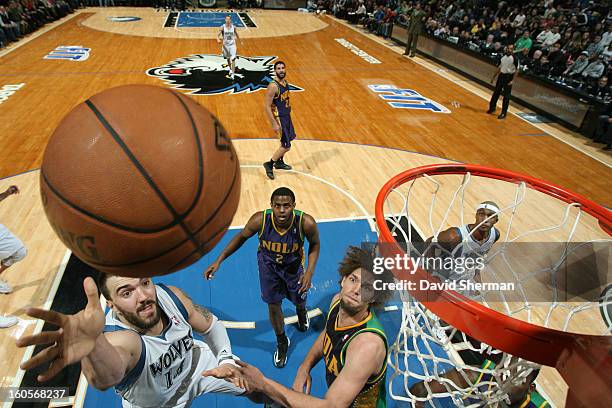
(139, 181)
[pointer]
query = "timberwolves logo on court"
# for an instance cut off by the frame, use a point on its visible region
(203, 74)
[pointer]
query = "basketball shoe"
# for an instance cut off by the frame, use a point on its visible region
(280, 355)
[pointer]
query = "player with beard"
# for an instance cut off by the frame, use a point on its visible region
(280, 258)
(278, 109)
(144, 347)
(353, 346)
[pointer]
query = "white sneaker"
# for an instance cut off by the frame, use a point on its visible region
(5, 287)
(8, 321)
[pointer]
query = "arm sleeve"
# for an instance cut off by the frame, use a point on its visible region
(217, 339)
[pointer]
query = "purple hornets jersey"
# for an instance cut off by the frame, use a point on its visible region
(280, 103)
(281, 248)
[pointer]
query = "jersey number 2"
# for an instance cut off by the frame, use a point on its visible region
(279, 258)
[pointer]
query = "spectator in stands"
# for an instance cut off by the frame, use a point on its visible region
(578, 66)
(581, 17)
(550, 11)
(373, 22)
(386, 24)
(415, 26)
(594, 70)
(600, 90)
(523, 42)
(543, 36)
(442, 31)
(11, 28)
(488, 46)
(542, 68)
(361, 12)
(552, 38)
(524, 58)
(606, 38)
(557, 59)
(519, 20)
(595, 48)
(607, 53)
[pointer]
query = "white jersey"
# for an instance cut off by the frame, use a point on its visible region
(468, 248)
(168, 373)
(229, 35)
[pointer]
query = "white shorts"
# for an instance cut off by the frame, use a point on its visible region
(229, 52)
(11, 248)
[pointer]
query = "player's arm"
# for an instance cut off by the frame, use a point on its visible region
(302, 380)
(207, 325)
(364, 357)
(270, 94)
(220, 35)
(113, 357)
(311, 232)
(250, 229)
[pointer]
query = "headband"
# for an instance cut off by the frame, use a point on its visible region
(487, 206)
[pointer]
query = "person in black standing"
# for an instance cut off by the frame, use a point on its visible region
(505, 73)
(603, 132)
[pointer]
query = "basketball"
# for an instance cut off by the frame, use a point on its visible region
(139, 181)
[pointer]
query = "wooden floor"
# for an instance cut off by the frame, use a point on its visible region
(332, 180)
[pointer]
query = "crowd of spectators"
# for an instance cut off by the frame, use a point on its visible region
(20, 18)
(565, 41)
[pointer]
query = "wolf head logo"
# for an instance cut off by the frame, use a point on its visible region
(202, 74)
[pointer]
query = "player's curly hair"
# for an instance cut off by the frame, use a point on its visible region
(363, 257)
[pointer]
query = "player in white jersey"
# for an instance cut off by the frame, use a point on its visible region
(12, 250)
(228, 34)
(466, 241)
(144, 347)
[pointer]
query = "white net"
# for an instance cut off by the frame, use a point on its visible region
(555, 255)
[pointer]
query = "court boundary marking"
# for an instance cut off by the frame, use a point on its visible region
(40, 323)
(478, 92)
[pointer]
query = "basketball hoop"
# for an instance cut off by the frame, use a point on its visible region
(582, 359)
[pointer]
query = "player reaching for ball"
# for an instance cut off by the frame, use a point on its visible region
(280, 258)
(144, 347)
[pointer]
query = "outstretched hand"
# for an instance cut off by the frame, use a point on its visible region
(75, 338)
(249, 376)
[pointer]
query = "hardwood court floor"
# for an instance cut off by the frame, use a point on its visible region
(336, 105)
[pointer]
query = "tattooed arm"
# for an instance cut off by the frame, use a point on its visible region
(206, 324)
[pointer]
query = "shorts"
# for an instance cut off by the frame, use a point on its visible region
(11, 248)
(278, 282)
(229, 52)
(287, 133)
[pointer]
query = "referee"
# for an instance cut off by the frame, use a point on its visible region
(505, 74)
